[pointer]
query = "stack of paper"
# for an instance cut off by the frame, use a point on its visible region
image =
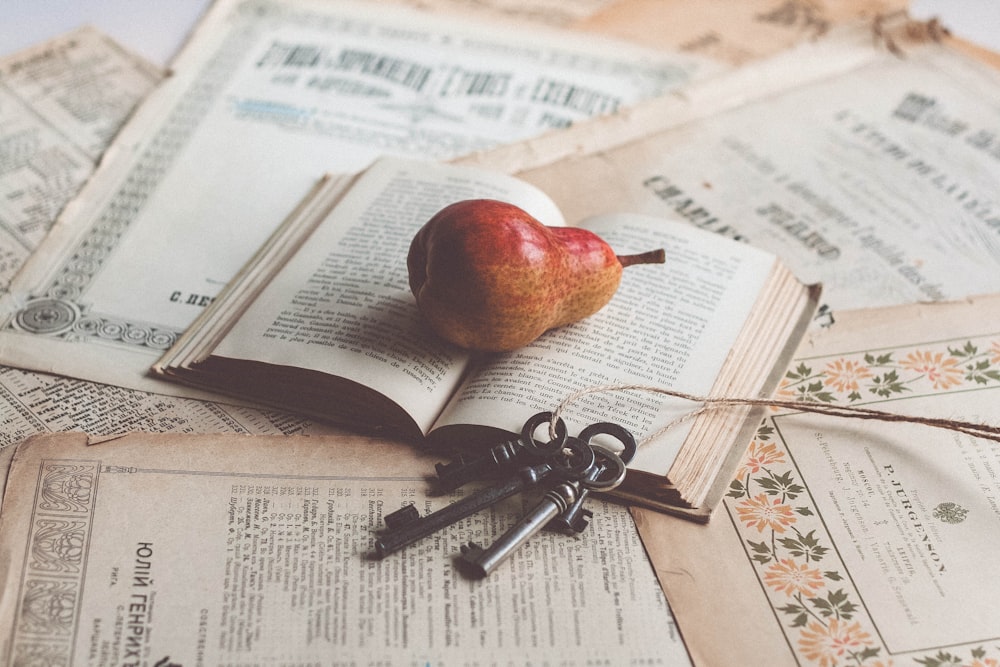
(862, 153)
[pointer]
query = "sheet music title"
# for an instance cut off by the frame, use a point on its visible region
(688, 207)
(926, 112)
(139, 609)
(935, 564)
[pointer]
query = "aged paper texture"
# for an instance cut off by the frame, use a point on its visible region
(61, 104)
(264, 99)
(731, 31)
(844, 541)
(876, 181)
(250, 550)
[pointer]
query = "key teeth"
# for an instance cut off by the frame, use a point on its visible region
(403, 516)
(447, 479)
(469, 560)
(471, 550)
(451, 476)
(581, 521)
(577, 523)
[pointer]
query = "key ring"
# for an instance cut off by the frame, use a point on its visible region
(578, 457)
(612, 470)
(619, 433)
(550, 448)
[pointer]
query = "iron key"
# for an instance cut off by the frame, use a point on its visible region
(405, 530)
(480, 562)
(575, 517)
(503, 457)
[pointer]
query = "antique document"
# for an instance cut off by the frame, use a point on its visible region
(156, 549)
(844, 541)
(877, 181)
(33, 403)
(727, 30)
(265, 98)
(61, 104)
(733, 32)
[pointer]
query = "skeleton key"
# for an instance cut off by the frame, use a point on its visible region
(480, 562)
(503, 457)
(574, 518)
(572, 460)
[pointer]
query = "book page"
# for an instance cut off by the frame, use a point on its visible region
(877, 183)
(842, 537)
(264, 557)
(61, 103)
(265, 98)
(342, 304)
(669, 325)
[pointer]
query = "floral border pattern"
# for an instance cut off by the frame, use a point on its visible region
(49, 597)
(782, 534)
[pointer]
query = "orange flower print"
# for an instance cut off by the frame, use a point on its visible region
(844, 375)
(984, 662)
(783, 391)
(995, 352)
(942, 371)
(788, 577)
(759, 513)
(825, 646)
(758, 455)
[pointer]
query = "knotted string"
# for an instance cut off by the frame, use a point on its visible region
(979, 430)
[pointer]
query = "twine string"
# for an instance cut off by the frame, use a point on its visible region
(708, 403)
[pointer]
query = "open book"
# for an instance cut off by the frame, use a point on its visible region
(322, 322)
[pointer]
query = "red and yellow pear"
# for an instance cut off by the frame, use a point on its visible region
(488, 276)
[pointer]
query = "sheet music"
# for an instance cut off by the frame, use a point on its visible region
(61, 103)
(267, 97)
(847, 536)
(878, 181)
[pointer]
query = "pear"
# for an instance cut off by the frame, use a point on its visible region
(488, 276)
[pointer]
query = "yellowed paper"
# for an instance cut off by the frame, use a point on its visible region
(875, 180)
(264, 99)
(844, 541)
(732, 31)
(61, 104)
(323, 322)
(556, 13)
(227, 549)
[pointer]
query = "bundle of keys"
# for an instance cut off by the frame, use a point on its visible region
(566, 467)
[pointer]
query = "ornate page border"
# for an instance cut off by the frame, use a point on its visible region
(807, 586)
(51, 587)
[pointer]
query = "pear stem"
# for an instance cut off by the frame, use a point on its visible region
(651, 257)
